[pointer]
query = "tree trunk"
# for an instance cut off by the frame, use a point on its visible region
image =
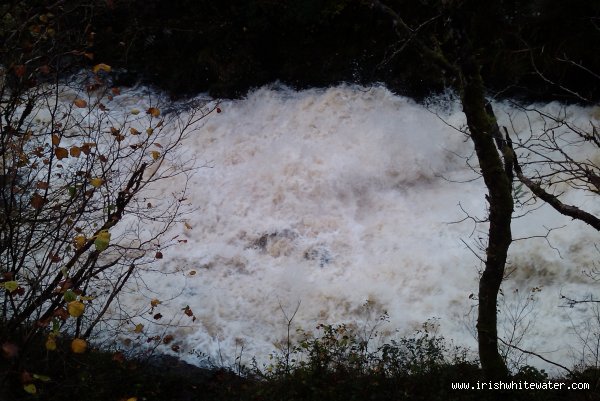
(498, 180)
(458, 59)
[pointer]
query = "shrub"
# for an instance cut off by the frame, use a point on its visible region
(78, 216)
(340, 363)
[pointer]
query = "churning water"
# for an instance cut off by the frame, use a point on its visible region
(330, 198)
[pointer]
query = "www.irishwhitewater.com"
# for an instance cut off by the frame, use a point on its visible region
(520, 385)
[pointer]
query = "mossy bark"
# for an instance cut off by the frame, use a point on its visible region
(456, 55)
(482, 127)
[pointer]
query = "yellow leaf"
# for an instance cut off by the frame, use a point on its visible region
(80, 103)
(149, 131)
(11, 285)
(132, 399)
(96, 182)
(79, 241)
(61, 153)
(102, 240)
(153, 111)
(187, 226)
(155, 154)
(30, 388)
(78, 346)
(135, 112)
(51, 343)
(75, 308)
(138, 328)
(154, 303)
(101, 67)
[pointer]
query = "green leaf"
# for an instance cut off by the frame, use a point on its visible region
(41, 377)
(11, 285)
(70, 296)
(30, 388)
(102, 240)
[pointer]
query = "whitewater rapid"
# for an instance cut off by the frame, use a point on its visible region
(324, 199)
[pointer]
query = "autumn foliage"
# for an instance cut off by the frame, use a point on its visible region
(76, 223)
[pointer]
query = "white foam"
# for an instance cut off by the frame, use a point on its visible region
(334, 197)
